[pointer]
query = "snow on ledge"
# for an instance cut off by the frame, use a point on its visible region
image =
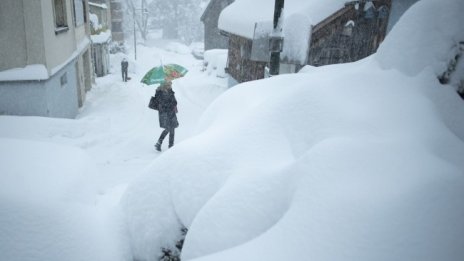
(103, 6)
(29, 73)
(102, 37)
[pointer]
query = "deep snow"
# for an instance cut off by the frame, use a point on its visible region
(62, 179)
(359, 161)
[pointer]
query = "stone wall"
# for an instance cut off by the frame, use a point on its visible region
(239, 65)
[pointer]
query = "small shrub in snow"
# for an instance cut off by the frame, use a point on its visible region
(173, 254)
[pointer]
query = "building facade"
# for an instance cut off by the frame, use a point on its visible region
(351, 33)
(45, 69)
(100, 27)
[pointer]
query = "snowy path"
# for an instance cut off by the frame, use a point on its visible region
(115, 126)
(116, 130)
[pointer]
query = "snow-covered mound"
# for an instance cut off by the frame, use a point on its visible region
(215, 61)
(343, 162)
(424, 37)
(62, 179)
(46, 210)
(30, 174)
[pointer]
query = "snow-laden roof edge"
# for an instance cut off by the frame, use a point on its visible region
(240, 17)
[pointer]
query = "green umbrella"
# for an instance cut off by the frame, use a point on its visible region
(160, 74)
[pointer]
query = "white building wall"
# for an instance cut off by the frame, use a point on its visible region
(35, 48)
(58, 47)
(12, 35)
(28, 31)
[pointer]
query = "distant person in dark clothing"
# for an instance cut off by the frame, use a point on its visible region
(167, 109)
(124, 66)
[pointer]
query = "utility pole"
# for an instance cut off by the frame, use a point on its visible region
(276, 40)
(144, 12)
(135, 34)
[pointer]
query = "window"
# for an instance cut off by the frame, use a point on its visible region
(61, 23)
(64, 79)
(79, 16)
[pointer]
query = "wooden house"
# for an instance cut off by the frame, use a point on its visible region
(213, 39)
(351, 32)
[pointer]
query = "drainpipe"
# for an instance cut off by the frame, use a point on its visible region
(276, 40)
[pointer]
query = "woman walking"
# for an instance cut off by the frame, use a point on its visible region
(167, 109)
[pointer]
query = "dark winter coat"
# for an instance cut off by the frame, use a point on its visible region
(124, 65)
(167, 108)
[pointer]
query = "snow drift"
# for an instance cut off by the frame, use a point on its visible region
(46, 209)
(418, 42)
(343, 162)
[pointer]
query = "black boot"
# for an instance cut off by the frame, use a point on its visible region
(160, 140)
(158, 146)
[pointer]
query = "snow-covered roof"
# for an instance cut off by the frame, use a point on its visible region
(241, 16)
(211, 7)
